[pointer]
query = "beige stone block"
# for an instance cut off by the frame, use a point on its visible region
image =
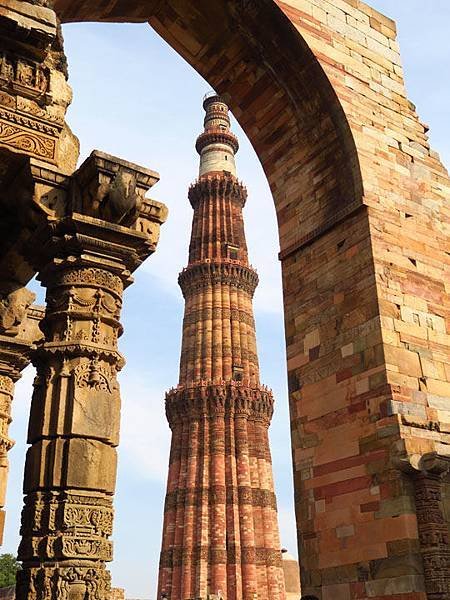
(439, 338)
(345, 531)
(391, 337)
(96, 414)
(392, 586)
(433, 369)
(91, 465)
(439, 388)
(439, 402)
(347, 350)
(411, 329)
(312, 339)
(362, 386)
(336, 592)
(402, 380)
(408, 362)
(415, 302)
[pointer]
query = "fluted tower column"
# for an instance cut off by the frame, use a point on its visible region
(220, 533)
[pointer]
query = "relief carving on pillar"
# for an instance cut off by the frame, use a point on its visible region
(13, 310)
(18, 331)
(64, 583)
(428, 473)
(85, 257)
(34, 94)
(24, 77)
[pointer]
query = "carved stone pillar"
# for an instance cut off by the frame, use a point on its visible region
(18, 330)
(433, 529)
(85, 260)
(37, 148)
(427, 472)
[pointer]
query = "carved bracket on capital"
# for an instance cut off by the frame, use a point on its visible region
(113, 190)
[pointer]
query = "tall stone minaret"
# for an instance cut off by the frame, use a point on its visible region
(220, 534)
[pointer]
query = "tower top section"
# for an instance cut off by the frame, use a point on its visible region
(217, 145)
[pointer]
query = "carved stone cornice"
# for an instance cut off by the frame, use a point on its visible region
(217, 185)
(229, 399)
(110, 189)
(432, 464)
(100, 210)
(34, 94)
(205, 274)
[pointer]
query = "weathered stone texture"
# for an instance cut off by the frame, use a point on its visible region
(362, 207)
(84, 259)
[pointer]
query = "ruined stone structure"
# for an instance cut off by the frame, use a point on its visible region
(220, 533)
(362, 207)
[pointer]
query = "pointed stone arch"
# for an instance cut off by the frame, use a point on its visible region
(318, 87)
(277, 90)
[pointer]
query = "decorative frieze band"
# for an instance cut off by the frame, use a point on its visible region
(199, 316)
(176, 557)
(228, 399)
(217, 186)
(203, 275)
(218, 494)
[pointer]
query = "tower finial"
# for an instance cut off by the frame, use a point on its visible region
(217, 145)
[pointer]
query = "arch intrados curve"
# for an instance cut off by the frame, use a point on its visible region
(277, 90)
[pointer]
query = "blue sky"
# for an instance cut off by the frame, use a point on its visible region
(136, 99)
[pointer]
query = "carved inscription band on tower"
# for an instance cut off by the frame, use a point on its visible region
(220, 532)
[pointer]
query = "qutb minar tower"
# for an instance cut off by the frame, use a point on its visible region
(220, 534)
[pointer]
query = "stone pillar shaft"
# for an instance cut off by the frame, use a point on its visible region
(74, 430)
(433, 535)
(6, 396)
(18, 330)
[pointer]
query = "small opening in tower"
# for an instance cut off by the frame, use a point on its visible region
(238, 373)
(232, 252)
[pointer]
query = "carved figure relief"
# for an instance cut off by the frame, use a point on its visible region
(115, 201)
(13, 310)
(28, 78)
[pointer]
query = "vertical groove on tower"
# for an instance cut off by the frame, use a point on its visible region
(220, 532)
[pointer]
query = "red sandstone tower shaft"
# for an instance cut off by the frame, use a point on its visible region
(220, 533)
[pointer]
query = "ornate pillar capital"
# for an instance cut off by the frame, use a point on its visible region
(428, 464)
(100, 214)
